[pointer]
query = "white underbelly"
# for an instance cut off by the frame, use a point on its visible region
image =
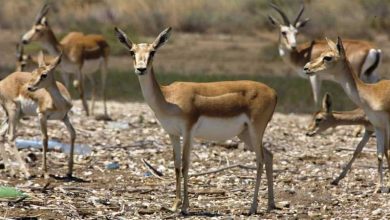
(171, 125)
(28, 106)
(378, 119)
(218, 129)
(91, 66)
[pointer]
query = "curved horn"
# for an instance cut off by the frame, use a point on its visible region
(299, 14)
(42, 13)
(284, 16)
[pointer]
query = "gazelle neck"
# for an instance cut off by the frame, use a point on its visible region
(350, 118)
(351, 84)
(58, 99)
(51, 44)
(152, 93)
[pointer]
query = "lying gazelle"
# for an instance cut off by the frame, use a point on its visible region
(83, 55)
(374, 99)
(213, 111)
(364, 58)
(35, 94)
(326, 118)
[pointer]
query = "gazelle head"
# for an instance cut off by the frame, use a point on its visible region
(288, 31)
(43, 76)
(39, 29)
(323, 119)
(331, 60)
(142, 54)
(22, 60)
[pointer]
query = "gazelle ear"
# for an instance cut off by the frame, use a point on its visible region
(44, 21)
(300, 24)
(340, 47)
(122, 37)
(56, 61)
(327, 103)
(273, 20)
(162, 38)
(41, 59)
(331, 44)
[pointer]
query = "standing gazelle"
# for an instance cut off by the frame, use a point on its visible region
(35, 94)
(374, 99)
(213, 111)
(364, 58)
(82, 55)
(327, 118)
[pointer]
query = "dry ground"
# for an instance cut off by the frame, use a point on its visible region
(303, 167)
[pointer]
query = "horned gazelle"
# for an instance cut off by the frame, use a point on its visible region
(213, 111)
(374, 99)
(82, 55)
(364, 58)
(327, 118)
(35, 94)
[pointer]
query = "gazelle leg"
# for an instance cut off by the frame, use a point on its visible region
(175, 140)
(104, 80)
(358, 150)
(6, 160)
(13, 121)
(381, 138)
(72, 133)
(93, 85)
(268, 160)
(81, 92)
(45, 139)
(187, 145)
(315, 83)
(256, 140)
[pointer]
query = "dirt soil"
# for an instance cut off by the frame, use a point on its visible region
(304, 167)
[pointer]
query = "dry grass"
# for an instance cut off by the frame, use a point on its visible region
(146, 17)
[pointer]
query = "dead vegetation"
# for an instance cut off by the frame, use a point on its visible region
(222, 181)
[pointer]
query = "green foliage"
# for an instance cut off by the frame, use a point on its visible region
(7, 192)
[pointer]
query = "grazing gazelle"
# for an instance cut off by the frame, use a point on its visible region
(35, 94)
(212, 111)
(327, 118)
(364, 58)
(374, 99)
(82, 55)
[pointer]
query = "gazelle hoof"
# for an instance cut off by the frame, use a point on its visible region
(335, 182)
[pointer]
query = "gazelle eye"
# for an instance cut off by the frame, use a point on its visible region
(132, 53)
(284, 33)
(318, 120)
(43, 76)
(151, 54)
(327, 58)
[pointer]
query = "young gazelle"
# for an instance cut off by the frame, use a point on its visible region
(364, 58)
(35, 94)
(374, 99)
(82, 55)
(326, 118)
(213, 111)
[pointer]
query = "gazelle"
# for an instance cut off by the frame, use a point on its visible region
(26, 62)
(35, 94)
(374, 99)
(327, 118)
(364, 58)
(82, 55)
(213, 111)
